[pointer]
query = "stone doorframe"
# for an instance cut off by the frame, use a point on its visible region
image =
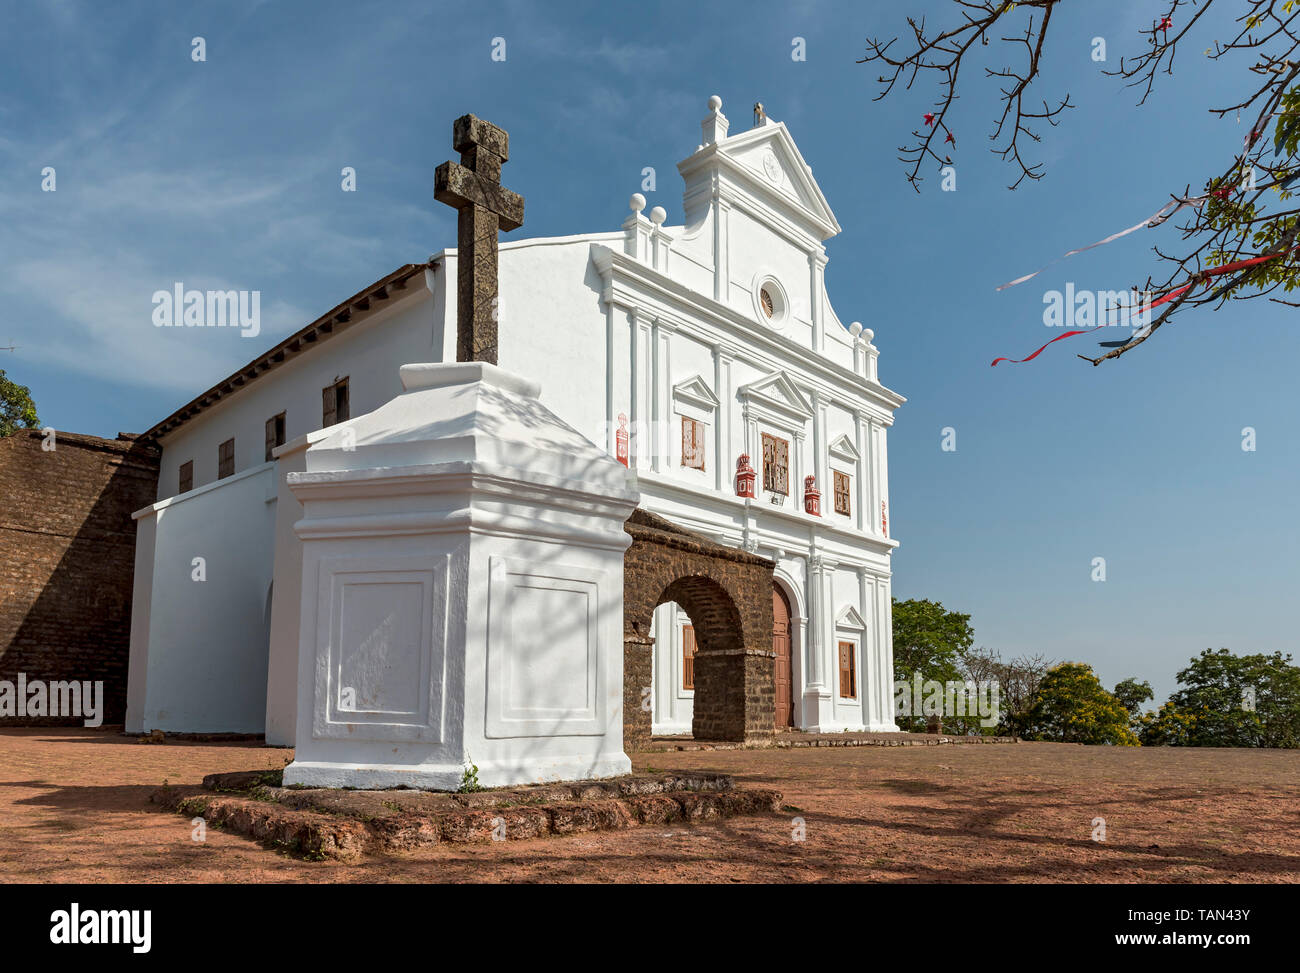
(728, 595)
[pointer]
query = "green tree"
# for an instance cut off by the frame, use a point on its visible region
(1071, 706)
(1232, 701)
(1167, 727)
(1131, 695)
(17, 410)
(930, 641)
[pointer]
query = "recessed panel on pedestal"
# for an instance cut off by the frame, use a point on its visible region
(543, 650)
(381, 648)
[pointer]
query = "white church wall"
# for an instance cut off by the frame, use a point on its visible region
(714, 516)
(690, 357)
(673, 704)
(692, 258)
(208, 631)
(137, 673)
(282, 662)
(756, 252)
(552, 327)
(365, 353)
(837, 343)
(839, 421)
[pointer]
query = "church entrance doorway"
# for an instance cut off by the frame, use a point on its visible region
(783, 666)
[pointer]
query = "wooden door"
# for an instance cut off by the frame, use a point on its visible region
(784, 669)
(688, 657)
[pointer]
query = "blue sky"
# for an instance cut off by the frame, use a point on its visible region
(226, 174)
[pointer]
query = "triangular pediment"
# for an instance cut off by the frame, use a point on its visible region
(850, 619)
(696, 391)
(778, 392)
(844, 449)
(776, 164)
(767, 163)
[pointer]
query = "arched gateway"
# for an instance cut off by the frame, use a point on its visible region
(727, 594)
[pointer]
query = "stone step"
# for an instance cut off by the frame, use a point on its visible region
(347, 825)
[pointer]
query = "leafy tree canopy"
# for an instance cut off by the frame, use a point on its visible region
(1072, 706)
(1132, 694)
(930, 640)
(17, 410)
(1231, 701)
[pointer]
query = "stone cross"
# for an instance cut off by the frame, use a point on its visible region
(473, 186)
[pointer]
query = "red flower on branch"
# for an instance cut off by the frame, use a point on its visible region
(929, 118)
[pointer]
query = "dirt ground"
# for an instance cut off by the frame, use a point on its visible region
(74, 807)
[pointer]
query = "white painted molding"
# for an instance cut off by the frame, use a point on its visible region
(849, 620)
(778, 393)
(842, 448)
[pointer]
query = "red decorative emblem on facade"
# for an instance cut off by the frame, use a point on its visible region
(812, 497)
(745, 477)
(884, 519)
(620, 440)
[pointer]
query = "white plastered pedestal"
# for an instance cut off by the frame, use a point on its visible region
(462, 594)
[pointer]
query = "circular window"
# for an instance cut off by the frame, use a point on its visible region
(770, 303)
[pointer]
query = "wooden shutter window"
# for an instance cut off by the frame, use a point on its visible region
(342, 408)
(187, 477)
(776, 465)
(274, 434)
(334, 403)
(328, 408)
(688, 656)
(842, 493)
(692, 443)
(226, 459)
(848, 676)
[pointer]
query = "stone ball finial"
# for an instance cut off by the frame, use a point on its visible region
(868, 334)
(637, 203)
(658, 215)
(855, 328)
(715, 103)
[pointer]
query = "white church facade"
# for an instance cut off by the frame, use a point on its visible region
(705, 357)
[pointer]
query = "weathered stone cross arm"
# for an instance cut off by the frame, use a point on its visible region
(476, 179)
(473, 186)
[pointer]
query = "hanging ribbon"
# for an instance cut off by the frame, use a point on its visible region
(1164, 299)
(1154, 220)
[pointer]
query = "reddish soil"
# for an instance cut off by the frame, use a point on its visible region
(74, 806)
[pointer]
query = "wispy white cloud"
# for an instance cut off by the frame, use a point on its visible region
(94, 317)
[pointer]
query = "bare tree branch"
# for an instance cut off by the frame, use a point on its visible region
(1238, 214)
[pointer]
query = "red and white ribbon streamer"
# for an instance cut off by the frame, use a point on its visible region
(1163, 299)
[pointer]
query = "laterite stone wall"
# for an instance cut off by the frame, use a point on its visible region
(67, 557)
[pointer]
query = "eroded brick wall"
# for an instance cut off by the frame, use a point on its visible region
(67, 556)
(728, 595)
